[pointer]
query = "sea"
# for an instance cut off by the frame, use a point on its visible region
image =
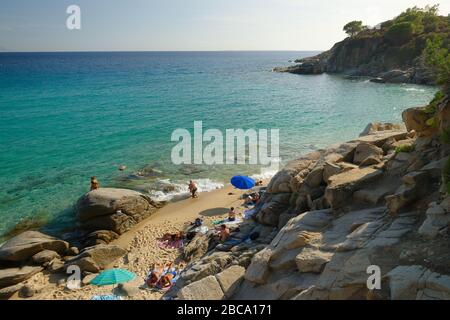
(67, 116)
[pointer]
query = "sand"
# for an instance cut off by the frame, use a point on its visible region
(140, 242)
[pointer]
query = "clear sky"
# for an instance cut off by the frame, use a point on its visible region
(129, 25)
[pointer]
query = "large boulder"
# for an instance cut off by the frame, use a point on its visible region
(12, 276)
(374, 127)
(29, 243)
(113, 209)
(343, 185)
(230, 279)
(312, 260)
(94, 259)
(45, 256)
(416, 119)
(259, 271)
(205, 289)
(365, 151)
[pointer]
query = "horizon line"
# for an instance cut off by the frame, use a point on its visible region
(143, 51)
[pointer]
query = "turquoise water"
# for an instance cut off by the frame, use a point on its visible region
(68, 116)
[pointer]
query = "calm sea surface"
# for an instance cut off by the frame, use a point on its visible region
(68, 116)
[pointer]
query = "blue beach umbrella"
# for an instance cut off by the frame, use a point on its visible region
(242, 182)
(112, 277)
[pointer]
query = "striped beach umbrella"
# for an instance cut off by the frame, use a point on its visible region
(113, 276)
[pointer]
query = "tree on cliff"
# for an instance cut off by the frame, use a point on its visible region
(437, 55)
(353, 28)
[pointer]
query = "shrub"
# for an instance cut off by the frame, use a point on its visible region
(437, 55)
(445, 136)
(446, 175)
(400, 33)
(406, 148)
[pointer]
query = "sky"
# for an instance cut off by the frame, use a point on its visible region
(189, 25)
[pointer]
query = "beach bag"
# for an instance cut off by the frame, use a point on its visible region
(198, 222)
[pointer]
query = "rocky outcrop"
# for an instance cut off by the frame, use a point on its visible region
(94, 259)
(372, 53)
(339, 213)
(113, 209)
(418, 283)
(27, 244)
(12, 276)
(218, 287)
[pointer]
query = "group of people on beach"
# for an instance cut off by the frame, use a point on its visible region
(163, 275)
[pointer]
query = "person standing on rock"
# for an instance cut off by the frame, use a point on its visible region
(193, 189)
(94, 183)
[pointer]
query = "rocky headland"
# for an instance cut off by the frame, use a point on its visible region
(391, 52)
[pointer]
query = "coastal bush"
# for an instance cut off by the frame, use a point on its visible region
(446, 175)
(353, 28)
(405, 148)
(437, 55)
(445, 136)
(400, 33)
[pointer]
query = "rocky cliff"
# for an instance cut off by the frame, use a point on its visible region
(329, 218)
(380, 52)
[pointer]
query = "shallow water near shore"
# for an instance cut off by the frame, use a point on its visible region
(68, 116)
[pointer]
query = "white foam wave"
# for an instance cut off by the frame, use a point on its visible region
(166, 190)
(415, 89)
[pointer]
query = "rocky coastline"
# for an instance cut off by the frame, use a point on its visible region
(383, 53)
(323, 220)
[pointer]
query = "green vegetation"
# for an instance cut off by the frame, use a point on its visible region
(353, 28)
(437, 55)
(445, 136)
(400, 33)
(446, 175)
(406, 148)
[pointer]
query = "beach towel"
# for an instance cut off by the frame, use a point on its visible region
(202, 230)
(248, 214)
(166, 244)
(227, 222)
(106, 297)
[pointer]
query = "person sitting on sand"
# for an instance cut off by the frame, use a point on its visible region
(259, 183)
(252, 200)
(94, 183)
(173, 236)
(193, 189)
(231, 215)
(224, 233)
(166, 280)
(155, 274)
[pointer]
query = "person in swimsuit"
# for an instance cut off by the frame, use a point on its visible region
(231, 215)
(94, 183)
(224, 233)
(193, 189)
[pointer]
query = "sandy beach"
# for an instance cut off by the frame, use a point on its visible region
(140, 242)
